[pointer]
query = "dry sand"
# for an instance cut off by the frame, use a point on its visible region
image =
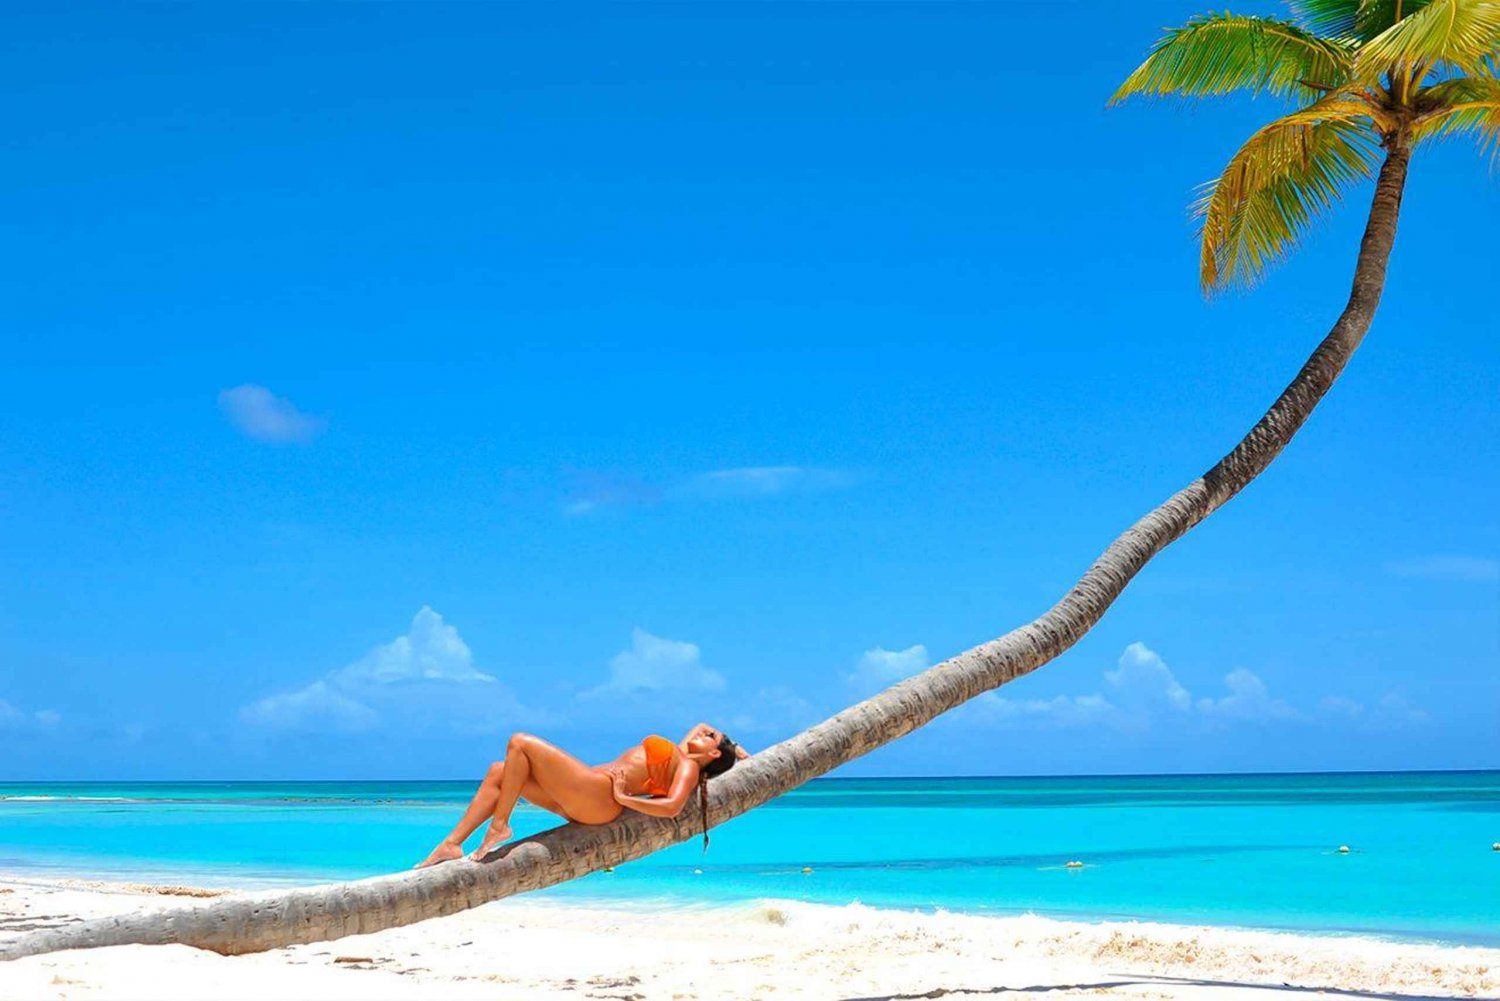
(527, 949)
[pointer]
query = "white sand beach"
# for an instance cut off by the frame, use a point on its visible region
(530, 949)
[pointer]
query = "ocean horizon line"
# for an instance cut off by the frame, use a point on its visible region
(1490, 770)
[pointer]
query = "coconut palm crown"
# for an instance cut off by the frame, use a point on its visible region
(1368, 78)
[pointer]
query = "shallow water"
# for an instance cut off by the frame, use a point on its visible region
(1246, 850)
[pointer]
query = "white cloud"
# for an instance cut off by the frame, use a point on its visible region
(1337, 705)
(593, 492)
(413, 677)
(1248, 699)
(1142, 679)
(879, 668)
(1059, 711)
(655, 664)
(1141, 691)
(1459, 568)
(763, 481)
(431, 650)
(318, 704)
(264, 416)
(1391, 711)
(11, 716)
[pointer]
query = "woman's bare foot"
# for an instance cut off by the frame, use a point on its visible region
(446, 851)
(496, 836)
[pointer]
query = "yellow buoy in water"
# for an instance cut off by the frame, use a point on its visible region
(697, 872)
(1343, 849)
(1074, 865)
(807, 870)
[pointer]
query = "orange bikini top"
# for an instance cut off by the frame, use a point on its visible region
(660, 753)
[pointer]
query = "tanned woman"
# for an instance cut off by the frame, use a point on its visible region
(655, 777)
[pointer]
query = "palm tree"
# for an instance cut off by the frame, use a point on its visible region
(1372, 80)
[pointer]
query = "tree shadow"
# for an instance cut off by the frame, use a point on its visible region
(1147, 981)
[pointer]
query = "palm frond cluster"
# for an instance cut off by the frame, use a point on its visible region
(1365, 77)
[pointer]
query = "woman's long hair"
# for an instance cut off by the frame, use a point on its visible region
(728, 755)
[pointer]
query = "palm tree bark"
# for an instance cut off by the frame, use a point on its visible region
(256, 922)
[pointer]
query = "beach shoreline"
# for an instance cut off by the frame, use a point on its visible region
(527, 948)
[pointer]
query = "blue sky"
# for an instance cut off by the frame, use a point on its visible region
(384, 378)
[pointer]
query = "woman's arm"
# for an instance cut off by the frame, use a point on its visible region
(669, 805)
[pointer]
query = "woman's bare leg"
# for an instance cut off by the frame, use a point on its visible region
(580, 793)
(480, 807)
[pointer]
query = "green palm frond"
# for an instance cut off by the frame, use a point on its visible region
(1283, 177)
(1464, 106)
(1334, 18)
(1357, 20)
(1460, 33)
(1458, 90)
(1220, 53)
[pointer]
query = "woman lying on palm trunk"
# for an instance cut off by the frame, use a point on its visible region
(655, 777)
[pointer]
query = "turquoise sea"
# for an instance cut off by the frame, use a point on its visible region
(1244, 850)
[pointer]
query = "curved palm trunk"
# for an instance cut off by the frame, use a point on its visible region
(269, 920)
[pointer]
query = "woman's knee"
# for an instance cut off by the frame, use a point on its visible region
(519, 742)
(495, 773)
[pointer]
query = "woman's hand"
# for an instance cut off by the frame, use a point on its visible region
(617, 781)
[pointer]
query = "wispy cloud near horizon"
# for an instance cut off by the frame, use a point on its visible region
(413, 675)
(1455, 568)
(10, 716)
(1142, 692)
(597, 492)
(656, 664)
(1248, 699)
(670, 672)
(260, 414)
(879, 668)
(764, 481)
